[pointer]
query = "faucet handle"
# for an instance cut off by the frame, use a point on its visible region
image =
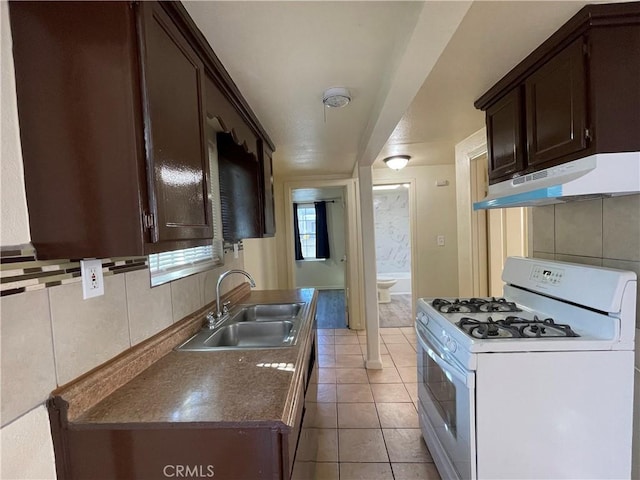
(225, 306)
(210, 319)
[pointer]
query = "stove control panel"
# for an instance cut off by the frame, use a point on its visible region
(547, 275)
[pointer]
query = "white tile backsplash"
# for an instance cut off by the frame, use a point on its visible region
(149, 309)
(87, 333)
(578, 228)
(186, 296)
(27, 366)
(51, 336)
(621, 228)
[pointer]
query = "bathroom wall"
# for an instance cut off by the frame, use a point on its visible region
(392, 231)
(602, 232)
(435, 266)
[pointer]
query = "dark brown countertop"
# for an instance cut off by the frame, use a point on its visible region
(254, 387)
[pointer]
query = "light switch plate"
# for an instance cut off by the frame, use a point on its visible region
(236, 249)
(92, 279)
(440, 240)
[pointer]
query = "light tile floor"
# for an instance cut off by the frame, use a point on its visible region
(366, 421)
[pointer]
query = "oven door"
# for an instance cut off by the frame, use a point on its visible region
(446, 391)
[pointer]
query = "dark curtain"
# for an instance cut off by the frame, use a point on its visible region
(296, 233)
(322, 233)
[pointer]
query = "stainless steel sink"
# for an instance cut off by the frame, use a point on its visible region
(268, 312)
(251, 326)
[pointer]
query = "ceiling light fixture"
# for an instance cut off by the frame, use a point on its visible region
(397, 162)
(336, 97)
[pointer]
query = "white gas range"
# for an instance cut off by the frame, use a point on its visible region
(538, 384)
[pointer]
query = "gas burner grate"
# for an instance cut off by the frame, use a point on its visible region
(474, 305)
(485, 328)
(514, 327)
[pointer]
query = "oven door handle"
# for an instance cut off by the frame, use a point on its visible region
(456, 371)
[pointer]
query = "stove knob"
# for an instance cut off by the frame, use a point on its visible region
(452, 346)
(422, 318)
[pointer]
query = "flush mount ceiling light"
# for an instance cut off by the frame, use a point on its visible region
(336, 97)
(397, 162)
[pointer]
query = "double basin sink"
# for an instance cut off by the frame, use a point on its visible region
(251, 326)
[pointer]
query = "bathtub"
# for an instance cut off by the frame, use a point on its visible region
(403, 284)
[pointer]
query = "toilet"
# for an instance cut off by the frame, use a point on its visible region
(384, 285)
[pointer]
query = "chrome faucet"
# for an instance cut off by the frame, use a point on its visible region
(220, 312)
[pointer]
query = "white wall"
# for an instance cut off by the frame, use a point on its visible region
(328, 273)
(14, 220)
(436, 268)
(282, 271)
(261, 261)
(27, 450)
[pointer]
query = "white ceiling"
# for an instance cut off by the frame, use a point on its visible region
(413, 69)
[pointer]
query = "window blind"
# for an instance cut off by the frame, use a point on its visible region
(167, 266)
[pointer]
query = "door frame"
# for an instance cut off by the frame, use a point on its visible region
(499, 222)
(413, 231)
(353, 287)
(468, 149)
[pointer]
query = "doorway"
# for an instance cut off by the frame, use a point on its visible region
(319, 215)
(392, 221)
(353, 289)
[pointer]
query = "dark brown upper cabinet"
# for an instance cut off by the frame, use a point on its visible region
(112, 109)
(174, 109)
(111, 117)
(504, 132)
(245, 170)
(575, 95)
(557, 106)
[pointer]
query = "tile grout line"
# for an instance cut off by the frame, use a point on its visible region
(375, 403)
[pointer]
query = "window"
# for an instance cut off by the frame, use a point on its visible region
(168, 266)
(307, 230)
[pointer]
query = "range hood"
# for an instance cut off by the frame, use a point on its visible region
(603, 174)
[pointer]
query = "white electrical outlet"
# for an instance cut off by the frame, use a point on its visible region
(440, 240)
(92, 279)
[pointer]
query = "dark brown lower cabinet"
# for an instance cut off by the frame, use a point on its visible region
(240, 451)
(167, 451)
(154, 451)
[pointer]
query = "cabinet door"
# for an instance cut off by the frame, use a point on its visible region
(505, 137)
(174, 131)
(556, 107)
(240, 190)
(269, 219)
